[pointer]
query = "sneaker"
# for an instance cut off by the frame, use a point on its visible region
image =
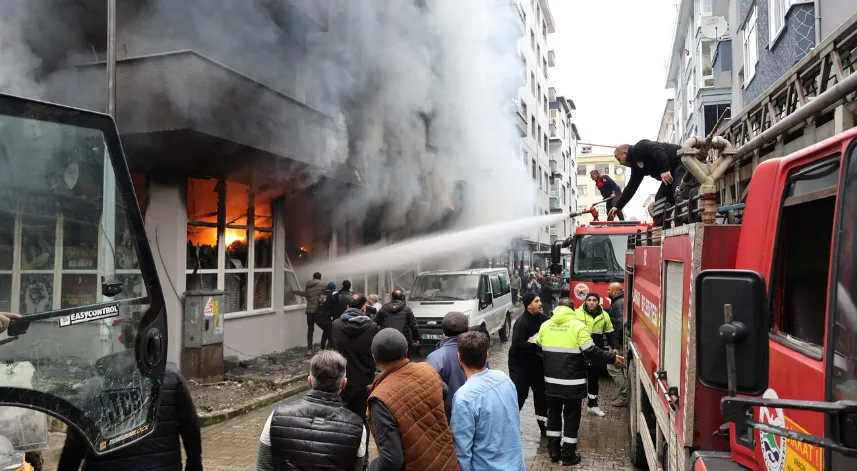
(596, 411)
(571, 461)
(619, 402)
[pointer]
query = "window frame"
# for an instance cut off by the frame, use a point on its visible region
(250, 270)
(777, 19)
(750, 42)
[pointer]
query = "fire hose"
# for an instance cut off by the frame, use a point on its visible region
(592, 210)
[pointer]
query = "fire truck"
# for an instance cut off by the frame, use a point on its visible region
(90, 345)
(741, 332)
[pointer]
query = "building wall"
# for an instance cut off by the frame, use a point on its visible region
(775, 57)
(834, 13)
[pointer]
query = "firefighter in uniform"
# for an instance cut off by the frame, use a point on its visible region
(565, 344)
(600, 327)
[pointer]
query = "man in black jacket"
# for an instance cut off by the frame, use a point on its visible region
(658, 160)
(352, 337)
(397, 315)
(617, 318)
(317, 432)
(526, 368)
(609, 189)
(161, 450)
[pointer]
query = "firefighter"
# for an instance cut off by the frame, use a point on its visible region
(658, 160)
(609, 189)
(600, 327)
(566, 343)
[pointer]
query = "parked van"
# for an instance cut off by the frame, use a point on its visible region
(481, 294)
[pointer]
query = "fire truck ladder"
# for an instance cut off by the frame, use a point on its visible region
(814, 100)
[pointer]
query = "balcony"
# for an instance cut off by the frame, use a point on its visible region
(551, 95)
(555, 168)
(722, 64)
(551, 59)
(521, 119)
(553, 130)
(514, 9)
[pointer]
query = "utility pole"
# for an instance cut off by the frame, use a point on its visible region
(111, 58)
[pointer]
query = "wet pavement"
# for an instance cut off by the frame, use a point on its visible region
(232, 445)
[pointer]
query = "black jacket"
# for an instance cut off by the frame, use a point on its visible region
(323, 316)
(524, 356)
(337, 303)
(160, 450)
(397, 315)
(648, 158)
(352, 337)
(617, 315)
(315, 433)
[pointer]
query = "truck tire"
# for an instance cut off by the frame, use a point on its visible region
(507, 328)
(636, 453)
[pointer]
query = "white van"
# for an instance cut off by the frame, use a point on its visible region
(481, 294)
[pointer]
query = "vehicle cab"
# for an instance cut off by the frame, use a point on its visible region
(598, 257)
(483, 295)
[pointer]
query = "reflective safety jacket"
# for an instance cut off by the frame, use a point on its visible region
(600, 327)
(565, 342)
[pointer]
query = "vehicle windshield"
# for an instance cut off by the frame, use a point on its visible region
(445, 288)
(68, 223)
(599, 257)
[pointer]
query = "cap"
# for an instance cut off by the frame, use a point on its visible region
(528, 298)
(389, 345)
(456, 322)
(331, 285)
(593, 294)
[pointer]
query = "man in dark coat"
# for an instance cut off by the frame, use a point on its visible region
(609, 189)
(546, 295)
(317, 432)
(617, 318)
(526, 368)
(352, 336)
(323, 315)
(161, 450)
(658, 160)
(397, 315)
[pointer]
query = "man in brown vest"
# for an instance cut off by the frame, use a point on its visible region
(406, 414)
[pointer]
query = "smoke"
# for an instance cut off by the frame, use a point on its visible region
(419, 92)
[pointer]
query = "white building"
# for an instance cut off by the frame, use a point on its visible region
(563, 163)
(701, 96)
(533, 107)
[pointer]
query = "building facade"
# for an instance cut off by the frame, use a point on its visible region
(701, 94)
(563, 164)
(533, 108)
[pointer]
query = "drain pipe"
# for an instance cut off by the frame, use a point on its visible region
(817, 5)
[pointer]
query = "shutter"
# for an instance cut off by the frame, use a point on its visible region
(673, 321)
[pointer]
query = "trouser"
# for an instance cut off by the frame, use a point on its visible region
(618, 376)
(535, 380)
(326, 333)
(666, 194)
(592, 374)
(514, 296)
(610, 206)
(563, 424)
(355, 399)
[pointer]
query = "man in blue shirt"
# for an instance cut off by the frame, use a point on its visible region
(485, 424)
(608, 188)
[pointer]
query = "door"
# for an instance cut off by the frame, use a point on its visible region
(497, 312)
(485, 306)
(75, 264)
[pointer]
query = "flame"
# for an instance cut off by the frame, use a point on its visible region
(233, 235)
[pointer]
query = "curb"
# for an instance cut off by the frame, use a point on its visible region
(207, 420)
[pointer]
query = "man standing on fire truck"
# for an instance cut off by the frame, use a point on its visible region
(609, 189)
(658, 160)
(598, 322)
(565, 343)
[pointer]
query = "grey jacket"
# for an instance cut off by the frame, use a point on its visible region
(515, 282)
(314, 289)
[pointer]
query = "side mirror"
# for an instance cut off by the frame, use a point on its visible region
(732, 322)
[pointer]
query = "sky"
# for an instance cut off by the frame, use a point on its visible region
(611, 60)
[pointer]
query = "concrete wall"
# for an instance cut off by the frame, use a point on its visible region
(834, 13)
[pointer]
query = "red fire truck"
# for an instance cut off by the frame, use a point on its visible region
(741, 332)
(597, 257)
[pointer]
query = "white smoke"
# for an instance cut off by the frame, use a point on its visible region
(382, 70)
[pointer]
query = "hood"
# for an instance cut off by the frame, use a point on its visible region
(394, 307)
(313, 282)
(591, 314)
(562, 314)
(353, 326)
(618, 296)
(352, 312)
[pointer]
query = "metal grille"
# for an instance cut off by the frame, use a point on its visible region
(673, 321)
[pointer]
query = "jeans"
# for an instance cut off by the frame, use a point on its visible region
(618, 376)
(610, 206)
(326, 333)
(514, 296)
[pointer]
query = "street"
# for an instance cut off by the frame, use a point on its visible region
(233, 445)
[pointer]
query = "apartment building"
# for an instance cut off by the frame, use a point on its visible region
(563, 163)
(533, 108)
(596, 157)
(698, 57)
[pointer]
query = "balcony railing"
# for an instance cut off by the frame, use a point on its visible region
(554, 165)
(553, 130)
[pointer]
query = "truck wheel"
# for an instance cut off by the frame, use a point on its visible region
(507, 328)
(636, 453)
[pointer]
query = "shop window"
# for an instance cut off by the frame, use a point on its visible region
(223, 217)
